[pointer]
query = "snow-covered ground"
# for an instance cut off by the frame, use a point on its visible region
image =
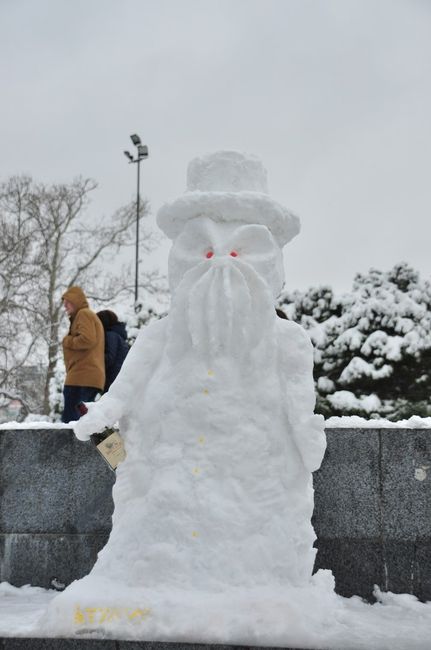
(396, 622)
(21, 610)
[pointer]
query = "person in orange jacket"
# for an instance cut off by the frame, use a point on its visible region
(84, 350)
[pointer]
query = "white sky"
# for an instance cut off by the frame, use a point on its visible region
(333, 95)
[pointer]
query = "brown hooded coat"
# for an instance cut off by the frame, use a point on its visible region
(84, 346)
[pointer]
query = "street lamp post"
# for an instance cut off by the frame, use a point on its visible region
(142, 152)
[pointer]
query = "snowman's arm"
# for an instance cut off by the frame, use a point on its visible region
(135, 371)
(295, 353)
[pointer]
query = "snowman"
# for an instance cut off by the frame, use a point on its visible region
(215, 404)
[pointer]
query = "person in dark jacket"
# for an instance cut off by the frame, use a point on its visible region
(116, 346)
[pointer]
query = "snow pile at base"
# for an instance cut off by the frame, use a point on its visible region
(395, 622)
(23, 610)
(235, 616)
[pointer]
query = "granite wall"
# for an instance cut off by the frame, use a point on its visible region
(55, 506)
(372, 508)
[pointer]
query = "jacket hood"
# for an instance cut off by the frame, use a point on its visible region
(120, 329)
(76, 296)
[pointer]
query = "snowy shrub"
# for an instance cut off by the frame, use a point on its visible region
(135, 321)
(372, 346)
(56, 391)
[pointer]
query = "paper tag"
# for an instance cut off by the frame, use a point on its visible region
(112, 449)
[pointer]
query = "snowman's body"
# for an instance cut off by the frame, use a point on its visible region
(213, 492)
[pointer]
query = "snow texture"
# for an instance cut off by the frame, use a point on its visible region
(344, 400)
(356, 422)
(228, 186)
(395, 622)
(346, 421)
(213, 503)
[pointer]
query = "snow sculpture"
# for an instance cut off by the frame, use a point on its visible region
(215, 404)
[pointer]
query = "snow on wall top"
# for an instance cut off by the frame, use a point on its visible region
(36, 425)
(356, 422)
(335, 422)
(228, 186)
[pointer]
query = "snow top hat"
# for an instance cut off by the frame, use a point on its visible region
(228, 186)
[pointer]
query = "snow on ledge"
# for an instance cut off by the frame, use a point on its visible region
(335, 422)
(356, 422)
(35, 425)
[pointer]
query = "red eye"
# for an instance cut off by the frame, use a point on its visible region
(234, 254)
(209, 254)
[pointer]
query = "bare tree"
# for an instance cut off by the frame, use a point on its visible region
(55, 242)
(16, 269)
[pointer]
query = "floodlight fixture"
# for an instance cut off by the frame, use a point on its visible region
(128, 155)
(142, 151)
(135, 139)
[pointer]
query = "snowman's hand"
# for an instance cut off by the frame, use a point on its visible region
(100, 414)
(87, 425)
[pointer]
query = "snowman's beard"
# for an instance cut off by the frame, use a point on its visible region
(224, 310)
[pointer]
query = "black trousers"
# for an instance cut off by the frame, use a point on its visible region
(72, 396)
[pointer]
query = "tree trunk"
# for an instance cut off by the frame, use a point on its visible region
(53, 348)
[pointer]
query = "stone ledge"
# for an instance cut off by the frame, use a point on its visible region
(10, 643)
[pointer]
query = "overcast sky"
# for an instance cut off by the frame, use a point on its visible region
(333, 95)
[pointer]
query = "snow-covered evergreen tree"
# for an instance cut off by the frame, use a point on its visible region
(373, 345)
